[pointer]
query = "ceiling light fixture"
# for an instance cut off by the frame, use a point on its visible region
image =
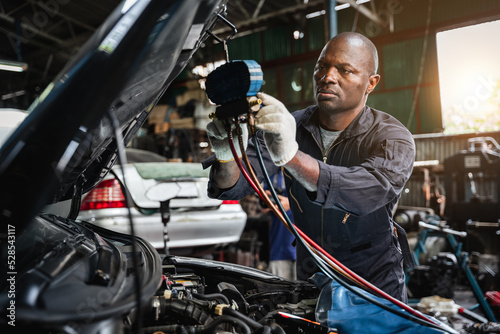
(315, 14)
(12, 95)
(337, 8)
(297, 34)
(347, 5)
(14, 66)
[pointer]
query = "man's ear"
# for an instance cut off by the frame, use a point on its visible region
(372, 83)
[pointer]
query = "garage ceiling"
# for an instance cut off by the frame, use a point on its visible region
(46, 34)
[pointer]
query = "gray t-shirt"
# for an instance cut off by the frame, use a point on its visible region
(328, 138)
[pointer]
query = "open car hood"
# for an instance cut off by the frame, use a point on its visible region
(68, 144)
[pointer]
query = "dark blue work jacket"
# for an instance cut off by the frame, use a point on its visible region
(350, 214)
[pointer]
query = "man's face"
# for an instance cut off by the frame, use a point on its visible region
(342, 76)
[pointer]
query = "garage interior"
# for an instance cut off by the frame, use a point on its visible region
(455, 183)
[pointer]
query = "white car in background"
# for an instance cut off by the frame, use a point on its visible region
(9, 121)
(197, 222)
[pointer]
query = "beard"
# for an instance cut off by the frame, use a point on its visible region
(330, 105)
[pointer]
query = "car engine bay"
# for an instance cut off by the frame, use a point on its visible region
(178, 294)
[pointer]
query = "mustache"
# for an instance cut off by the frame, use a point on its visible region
(326, 91)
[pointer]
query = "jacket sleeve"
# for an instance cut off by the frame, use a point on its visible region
(376, 181)
(242, 188)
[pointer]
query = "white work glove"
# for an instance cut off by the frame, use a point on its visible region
(217, 135)
(279, 129)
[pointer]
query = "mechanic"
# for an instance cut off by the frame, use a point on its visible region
(345, 165)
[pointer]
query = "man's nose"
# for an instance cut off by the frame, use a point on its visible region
(330, 76)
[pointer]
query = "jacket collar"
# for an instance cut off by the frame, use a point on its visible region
(362, 123)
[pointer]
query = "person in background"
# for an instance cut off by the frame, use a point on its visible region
(282, 255)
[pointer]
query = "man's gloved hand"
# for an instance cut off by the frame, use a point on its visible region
(279, 129)
(217, 135)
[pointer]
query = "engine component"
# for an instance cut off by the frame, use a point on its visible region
(436, 278)
(490, 327)
(300, 325)
(192, 299)
(438, 305)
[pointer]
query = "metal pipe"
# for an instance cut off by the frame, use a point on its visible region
(442, 229)
(332, 18)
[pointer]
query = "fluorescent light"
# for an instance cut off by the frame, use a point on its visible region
(347, 5)
(14, 66)
(337, 8)
(11, 95)
(426, 163)
(315, 14)
(343, 6)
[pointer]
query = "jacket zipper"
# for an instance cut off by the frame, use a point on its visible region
(325, 154)
(325, 157)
